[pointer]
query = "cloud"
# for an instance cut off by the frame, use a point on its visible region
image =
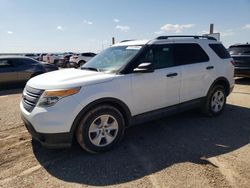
(88, 22)
(247, 26)
(116, 20)
(176, 27)
(226, 33)
(123, 28)
(10, 32)
(59, 28)
(159, 32)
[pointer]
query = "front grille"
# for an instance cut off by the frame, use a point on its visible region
(31, 97)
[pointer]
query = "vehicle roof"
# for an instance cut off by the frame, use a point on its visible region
(132, 43)
(14, 57)
(238, 45)
(166, 41)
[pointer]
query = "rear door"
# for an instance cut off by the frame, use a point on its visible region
(196, 70)
(7, 71)
(24, 68)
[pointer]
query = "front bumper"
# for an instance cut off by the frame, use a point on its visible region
(242, 71)
(52, 126)
(54, 140)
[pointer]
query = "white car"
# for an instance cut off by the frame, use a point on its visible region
(51, 58)
(127, 84)
(80, 59)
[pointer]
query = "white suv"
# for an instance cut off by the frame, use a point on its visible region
(127, 84)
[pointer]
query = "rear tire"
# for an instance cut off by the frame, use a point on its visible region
(215, 101)
(100, 129)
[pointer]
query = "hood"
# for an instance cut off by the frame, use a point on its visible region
(68, 78)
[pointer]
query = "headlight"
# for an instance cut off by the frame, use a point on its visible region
(51, 97)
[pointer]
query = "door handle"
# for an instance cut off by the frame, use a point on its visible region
(210, 67)
(172, 74)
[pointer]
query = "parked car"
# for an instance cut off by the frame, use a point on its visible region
(40, 58)
(33, 56)
(63, 61)
(17, 69)
(51, 58)
(80, 59)
(127, 84)
(241, 56)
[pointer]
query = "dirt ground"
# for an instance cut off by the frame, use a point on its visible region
(185, 150)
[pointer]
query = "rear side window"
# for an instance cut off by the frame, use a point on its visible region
(239, 50)
(21, 62)
(189, 54)
(4, 63)
(220, 50)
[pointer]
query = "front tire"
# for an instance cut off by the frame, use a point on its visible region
(215, 101)
(100, 129)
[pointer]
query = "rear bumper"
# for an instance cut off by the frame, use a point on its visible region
(53, 140)
(242, 71)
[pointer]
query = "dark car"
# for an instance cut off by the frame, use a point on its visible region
(18, 69)
(241, 55)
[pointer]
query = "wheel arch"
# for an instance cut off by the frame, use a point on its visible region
(221, 81)
(120, 105)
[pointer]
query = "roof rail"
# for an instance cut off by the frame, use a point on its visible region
(185, 36)
(127, 40)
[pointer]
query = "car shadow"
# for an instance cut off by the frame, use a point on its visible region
(242, 81)
(151, 147)
(9, 89)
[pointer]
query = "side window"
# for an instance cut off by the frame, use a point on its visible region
(4, 63)
(163, 56)
(189, 54)
(22, 62)
(160, 55)
(147, 56)
(220, 50)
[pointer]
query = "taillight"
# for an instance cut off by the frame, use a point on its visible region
(233, 62)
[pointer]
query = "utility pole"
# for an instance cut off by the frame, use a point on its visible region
(211, 29)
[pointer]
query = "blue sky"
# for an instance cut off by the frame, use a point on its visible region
(88, 25)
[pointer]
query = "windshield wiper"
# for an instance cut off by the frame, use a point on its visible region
(90, 68)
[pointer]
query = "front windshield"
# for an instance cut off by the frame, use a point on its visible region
(112, 59)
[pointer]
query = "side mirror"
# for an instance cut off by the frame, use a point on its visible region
(145, 67)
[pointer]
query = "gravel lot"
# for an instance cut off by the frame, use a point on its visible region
(185, 150)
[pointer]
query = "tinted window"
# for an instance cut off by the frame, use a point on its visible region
(161, 56)
(239, 50)
(5, 63)
(220, 50)
(189, 53)
(88, 54)
(24, 61)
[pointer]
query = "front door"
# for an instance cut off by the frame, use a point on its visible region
(158, 89)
